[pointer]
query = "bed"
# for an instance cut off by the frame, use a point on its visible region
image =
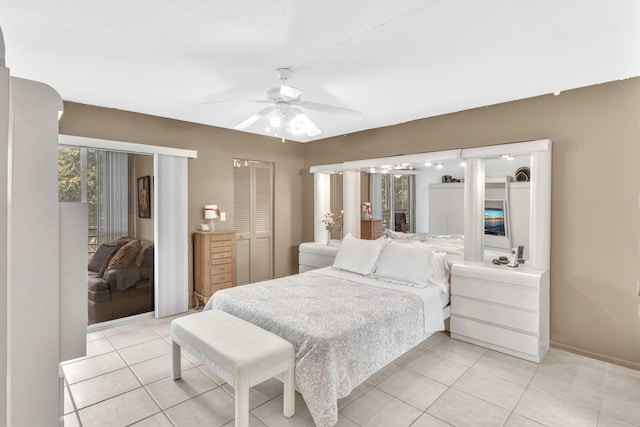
(379, 299)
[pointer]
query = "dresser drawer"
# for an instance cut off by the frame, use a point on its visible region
(221, 268)
(510, 317)
(494, 292)
(221, 257)
(221, 278)
(222, 236)
(494, 335)
(221, 246)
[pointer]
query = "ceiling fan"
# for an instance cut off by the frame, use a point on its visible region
(286, 109)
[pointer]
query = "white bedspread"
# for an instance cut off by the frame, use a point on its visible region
(343, 326)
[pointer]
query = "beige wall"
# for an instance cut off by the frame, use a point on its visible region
(595, 199)
(211, 174)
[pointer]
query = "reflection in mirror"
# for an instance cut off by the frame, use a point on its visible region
(506, 212)
(393, 199)
(336, 203)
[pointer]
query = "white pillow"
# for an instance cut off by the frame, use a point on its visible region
(358, 256)
(415, 264)
(444, 238)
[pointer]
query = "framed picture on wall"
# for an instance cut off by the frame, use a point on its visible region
(144, 197)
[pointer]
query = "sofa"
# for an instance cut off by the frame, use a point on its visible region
(120, 280)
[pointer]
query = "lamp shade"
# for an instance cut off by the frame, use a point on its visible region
(211, 211)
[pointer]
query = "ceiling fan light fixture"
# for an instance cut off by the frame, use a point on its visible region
(275, 121)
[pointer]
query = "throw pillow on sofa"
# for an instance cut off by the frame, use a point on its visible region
(125, 255)
(101, 259)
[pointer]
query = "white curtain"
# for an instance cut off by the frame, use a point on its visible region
(113, 196)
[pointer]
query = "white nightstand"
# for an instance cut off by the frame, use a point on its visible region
(502, 308)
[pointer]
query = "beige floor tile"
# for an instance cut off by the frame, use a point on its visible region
(436, 337)
(412, 388)
(119, 411)
(626, 408)
(71, 420)
(520, 421)
(156, 369)
(427, 420)
(157, 420)
(437, 368)
(124, 328)
(461, 409)
(162, 329)
(573, 367)
(607, 421)
(95, 335)
(253, 422)
(507, 367)
(355, 393)
(68, 404)
(554, 412)
(576, 392)
(90, 367)
(212, 409)
(99, 346)
(168, 392)
(137, 336)
(383, 373)
(408, 357)
(260, 393)
(621, 381)
(458, 351)
(376, 408)
(490, 388)
(145, 351)
(271, 415)
(103, 387)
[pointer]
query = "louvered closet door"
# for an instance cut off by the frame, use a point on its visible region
(253, 211)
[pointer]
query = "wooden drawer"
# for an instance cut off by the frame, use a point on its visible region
(494, 335)
(220, 256)
(221, 246)
(222, 268)
(526, 298)
(223, 236)
(498, 314)
(219, 286)
(221, 278)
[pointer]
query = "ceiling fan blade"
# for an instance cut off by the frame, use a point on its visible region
(331, 109)
(310, 128)
(253, 119)
(239, 101)
(302, 123)
(290, 92)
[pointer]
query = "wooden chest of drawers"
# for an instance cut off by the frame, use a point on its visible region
(214, 263)
(370, 229)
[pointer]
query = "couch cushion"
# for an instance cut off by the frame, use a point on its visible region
(102, 257)
(96, 283)
(125, 255)
(144, 249)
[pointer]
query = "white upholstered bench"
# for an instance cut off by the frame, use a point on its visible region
(240, 352)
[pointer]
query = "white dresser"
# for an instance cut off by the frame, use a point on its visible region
(316, 255)
(502, 308)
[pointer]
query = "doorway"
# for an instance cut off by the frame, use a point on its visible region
(253, 210)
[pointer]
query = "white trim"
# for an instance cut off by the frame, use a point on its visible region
(129, 147)
(513, 148)
(408, 158)
(335, 167)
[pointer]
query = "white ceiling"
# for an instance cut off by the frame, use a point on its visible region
(395, 61)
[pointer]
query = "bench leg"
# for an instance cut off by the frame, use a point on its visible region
(242, 404)
(176, 369)
(289, 397)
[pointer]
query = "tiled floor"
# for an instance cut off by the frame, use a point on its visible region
(125, 380)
